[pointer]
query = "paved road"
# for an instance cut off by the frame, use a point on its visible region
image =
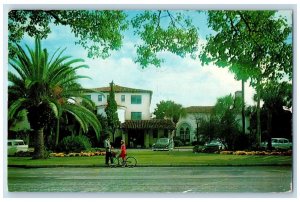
(255, 179)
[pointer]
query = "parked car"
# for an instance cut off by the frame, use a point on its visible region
(14, 146)
(212, 146)
(279, 144)
(164, 144)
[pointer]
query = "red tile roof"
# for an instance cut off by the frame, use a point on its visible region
(121, 89)
(148, 124)
(199, 109)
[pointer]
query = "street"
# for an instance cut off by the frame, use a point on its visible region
(254, 179)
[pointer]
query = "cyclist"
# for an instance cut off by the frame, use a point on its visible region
(123, 152)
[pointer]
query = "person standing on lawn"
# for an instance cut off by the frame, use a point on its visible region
(108, 148)
(123, 151)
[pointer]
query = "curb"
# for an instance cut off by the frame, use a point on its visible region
(103, 166)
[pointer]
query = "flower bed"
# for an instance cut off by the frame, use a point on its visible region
(97, 153)
(261, 153)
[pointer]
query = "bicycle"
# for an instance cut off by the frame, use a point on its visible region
(129, 161)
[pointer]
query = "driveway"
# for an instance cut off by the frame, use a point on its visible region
(254, 179)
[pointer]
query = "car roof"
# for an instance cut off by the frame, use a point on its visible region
(279, 138)
(15, 140)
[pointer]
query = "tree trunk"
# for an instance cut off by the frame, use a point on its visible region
(243, 107)
(39, 148)
(258, 126)
(269, 129)
(57, 132)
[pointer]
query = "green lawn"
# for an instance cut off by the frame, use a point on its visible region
(159, 158)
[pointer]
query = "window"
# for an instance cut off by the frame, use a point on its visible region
(88, 96)
(136, 115)
(100, 98)
(136, 99)
(184, 132)
(122, 98)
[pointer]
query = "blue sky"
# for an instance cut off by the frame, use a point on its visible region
(182, 80)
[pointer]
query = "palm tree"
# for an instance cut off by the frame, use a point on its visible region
(47, 87)
(275, 95)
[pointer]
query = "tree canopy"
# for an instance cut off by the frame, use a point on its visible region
(101, 31)
(170, 110)
(253, 44)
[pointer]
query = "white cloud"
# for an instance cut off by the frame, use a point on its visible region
(182, 80)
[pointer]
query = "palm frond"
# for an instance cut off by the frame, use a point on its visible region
(36, 79)
(55, 107)
(15, 107)
(85, 117)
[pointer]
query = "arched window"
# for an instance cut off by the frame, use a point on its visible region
(184, 132)
(187, 131)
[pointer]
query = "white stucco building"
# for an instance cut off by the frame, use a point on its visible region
(187, 126)
(133, 104)
(138, 129)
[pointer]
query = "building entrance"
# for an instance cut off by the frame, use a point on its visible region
(136, 138)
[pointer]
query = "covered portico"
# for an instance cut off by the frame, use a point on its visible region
(143, 133)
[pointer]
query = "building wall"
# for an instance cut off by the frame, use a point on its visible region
(190, 120)
(126, 108)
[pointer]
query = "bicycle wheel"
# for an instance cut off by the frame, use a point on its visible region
(131, 162)
(115, 162)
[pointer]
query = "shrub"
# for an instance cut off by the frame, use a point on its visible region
(178, 143)
(194, 143)
(75, 144)
(197, 149)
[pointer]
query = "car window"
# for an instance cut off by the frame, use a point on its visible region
(19, 143)
(274, 141)
(9, 144)
(162, 141)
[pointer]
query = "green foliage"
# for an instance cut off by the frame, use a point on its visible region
(253, 44)
(46, 86)
(113, 122)
(169, 109)
(177, 142)
(275, 93)
(175, 34)
(226, 111)
(75, 144)
(223, 123)
(97, 31)
(207, 127)
(100, 31)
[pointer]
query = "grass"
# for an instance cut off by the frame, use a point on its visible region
(159, 158)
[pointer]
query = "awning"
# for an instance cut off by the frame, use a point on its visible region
(148, 124)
